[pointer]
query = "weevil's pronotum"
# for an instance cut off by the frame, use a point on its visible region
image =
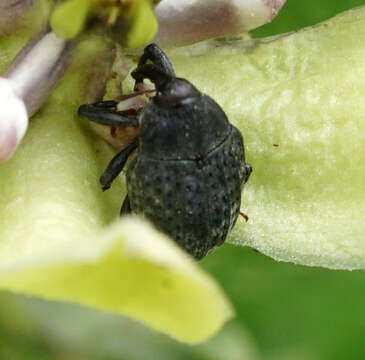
(190, 167)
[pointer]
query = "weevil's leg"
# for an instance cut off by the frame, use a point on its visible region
(126, 207)
(244, 215)
(116, 165)
(152, 72)
(106, 104)
(154, 54)
(102, 115)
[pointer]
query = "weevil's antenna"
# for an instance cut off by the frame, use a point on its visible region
(157, 57)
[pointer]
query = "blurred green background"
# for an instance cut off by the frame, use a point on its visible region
(297, 14)
(284, 311)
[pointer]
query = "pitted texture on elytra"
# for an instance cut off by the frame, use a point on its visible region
(195, 202)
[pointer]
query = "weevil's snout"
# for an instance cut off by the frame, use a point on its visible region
(176, 92)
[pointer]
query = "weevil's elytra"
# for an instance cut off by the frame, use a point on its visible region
(190, 169)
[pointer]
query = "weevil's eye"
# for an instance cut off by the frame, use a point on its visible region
(176, 92)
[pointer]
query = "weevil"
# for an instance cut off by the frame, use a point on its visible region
(190, 168)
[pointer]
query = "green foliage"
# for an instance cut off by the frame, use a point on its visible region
(299, 14)
(291, 311)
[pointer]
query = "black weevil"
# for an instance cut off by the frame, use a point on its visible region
(190, 167)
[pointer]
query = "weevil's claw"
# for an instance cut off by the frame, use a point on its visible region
(244, 216)
(105, 184)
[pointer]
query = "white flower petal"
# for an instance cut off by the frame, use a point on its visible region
(13, 119)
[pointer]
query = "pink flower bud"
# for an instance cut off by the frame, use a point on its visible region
(13, 119)
(188, 21)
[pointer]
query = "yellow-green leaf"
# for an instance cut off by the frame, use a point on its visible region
(130, 269)
(299, 102)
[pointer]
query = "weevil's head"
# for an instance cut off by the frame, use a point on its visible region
(170, 90)
(176, 92)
